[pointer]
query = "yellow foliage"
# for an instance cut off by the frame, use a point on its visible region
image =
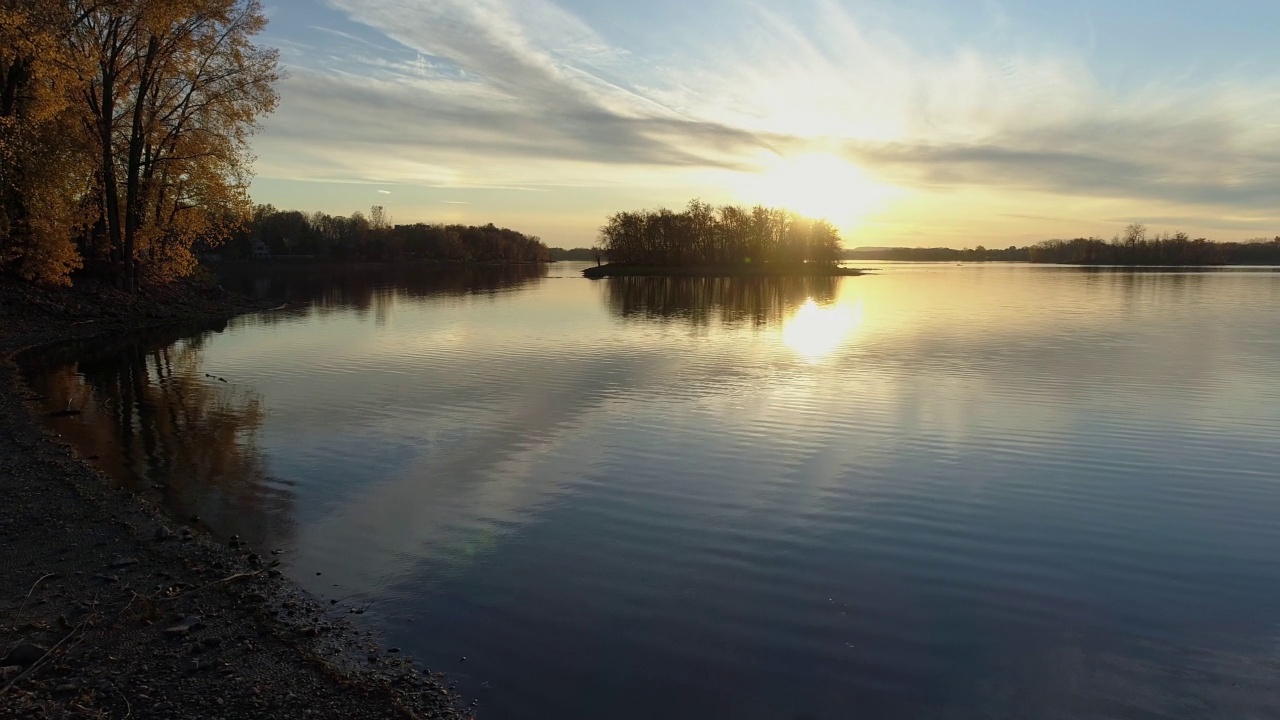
(131, 116)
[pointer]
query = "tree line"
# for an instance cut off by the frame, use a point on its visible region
(980, 253)
(727, 235)
(372, 237)
(578, 253)
(124, 128)
(1137, 247)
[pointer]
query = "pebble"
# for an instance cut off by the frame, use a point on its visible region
(189, 623)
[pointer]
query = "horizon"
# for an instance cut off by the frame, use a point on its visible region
(946, 124)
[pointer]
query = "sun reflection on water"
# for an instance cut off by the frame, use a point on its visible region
(814, 332)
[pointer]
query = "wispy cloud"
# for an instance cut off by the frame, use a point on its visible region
(523, 93)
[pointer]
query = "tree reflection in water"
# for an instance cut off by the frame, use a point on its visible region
(159, 425)
(699, 301)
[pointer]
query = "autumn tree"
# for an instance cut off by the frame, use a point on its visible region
(172, 90)
(43, 163)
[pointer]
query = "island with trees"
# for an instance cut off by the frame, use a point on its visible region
(725, 241)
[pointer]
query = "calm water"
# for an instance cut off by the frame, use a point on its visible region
(934, 492)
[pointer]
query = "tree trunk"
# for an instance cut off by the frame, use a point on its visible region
(110, 188)
(133, 184)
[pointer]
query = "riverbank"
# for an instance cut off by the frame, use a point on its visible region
(110, 608)
(709, 271)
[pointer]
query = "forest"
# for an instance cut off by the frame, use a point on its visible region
(124, 129)
(939, 254)
(372, 237)
(1135, 247)
(1138, 247)
(578, 253)
(714, 236)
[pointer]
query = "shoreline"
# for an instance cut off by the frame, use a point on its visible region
(718, 271)
(110, 607)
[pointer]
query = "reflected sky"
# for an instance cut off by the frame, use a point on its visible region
(931, 491)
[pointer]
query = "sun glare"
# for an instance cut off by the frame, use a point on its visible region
(815, 332)
(819, 185)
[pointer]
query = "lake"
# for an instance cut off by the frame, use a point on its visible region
(935, 491)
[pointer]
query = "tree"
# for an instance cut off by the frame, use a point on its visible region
(173, 89)
(42, 160)
(704, 235)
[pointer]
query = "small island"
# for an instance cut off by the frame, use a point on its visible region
(725, 241)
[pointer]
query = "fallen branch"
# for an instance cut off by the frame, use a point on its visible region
(43, 657)
(223, 581)
(23, 606)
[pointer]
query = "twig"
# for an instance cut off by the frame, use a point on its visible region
(22, 607)
(43, 657)
(233, 578)
(129, 604)
(127, 705)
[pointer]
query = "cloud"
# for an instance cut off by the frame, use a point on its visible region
(507, 93)
(1174, 157)
(394, 128)
(384, 192)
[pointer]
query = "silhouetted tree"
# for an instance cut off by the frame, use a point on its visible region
(703, 235)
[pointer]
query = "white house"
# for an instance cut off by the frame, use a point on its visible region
(260, 250)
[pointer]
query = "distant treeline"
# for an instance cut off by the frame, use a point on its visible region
(726, 235)
(1136, 247)
(939, 254)
(372, 237)
(560, 254)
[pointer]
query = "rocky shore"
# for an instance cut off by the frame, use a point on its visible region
(111, 609)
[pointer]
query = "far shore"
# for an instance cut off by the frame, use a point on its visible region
(707, 271)
(215, 262)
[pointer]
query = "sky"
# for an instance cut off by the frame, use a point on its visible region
(912, 123)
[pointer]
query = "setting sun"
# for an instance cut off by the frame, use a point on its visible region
(818, 185)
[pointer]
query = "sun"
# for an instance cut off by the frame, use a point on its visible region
(818, 185)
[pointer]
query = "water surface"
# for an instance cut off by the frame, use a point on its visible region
(932, 492)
